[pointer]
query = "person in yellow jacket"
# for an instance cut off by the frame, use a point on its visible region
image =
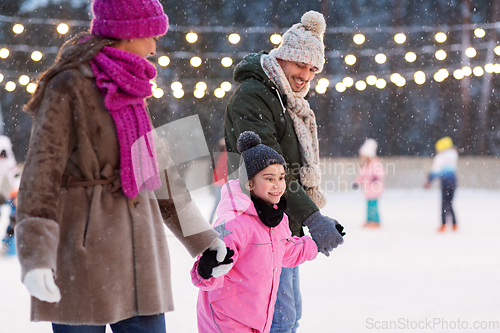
(444, 166)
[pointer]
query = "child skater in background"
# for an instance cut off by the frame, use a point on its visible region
(239, 294)
(370, 179)
(444, 166)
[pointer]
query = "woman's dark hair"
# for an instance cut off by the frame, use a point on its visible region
(76, 51)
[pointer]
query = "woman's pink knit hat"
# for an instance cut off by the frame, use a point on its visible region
(128, 19)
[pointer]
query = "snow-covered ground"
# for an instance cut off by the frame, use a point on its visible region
(405, 276)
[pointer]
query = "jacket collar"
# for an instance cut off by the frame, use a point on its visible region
(251, 68)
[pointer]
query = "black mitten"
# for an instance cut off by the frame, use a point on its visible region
(208, 262)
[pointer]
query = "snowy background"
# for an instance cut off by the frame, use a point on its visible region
(405, 273)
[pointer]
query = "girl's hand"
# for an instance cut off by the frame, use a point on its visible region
(209, 266)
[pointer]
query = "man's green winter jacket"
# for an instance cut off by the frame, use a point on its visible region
(255, 106)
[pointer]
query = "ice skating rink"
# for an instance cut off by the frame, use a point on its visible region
(404, 277)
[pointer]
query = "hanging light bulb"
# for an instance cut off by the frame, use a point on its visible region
(199, 93)
(195, 61)
(380, 58)
(324, 82)
(466, 70)
(10, 86)
(320, 89)
(191, 37)
(348, 82)
(24, 80)
(163, 61)
(219, 92)
(381, 83)
(226, 86)
(1, 77)
(176, 85)
(62, 28)
(438, 77)
(371, 80)
(440, 37)
(36, 56)
(234, 38)
(226, 62)
(419, 77)
(400, 38)
(478, 71)
(201, 86)
(179, 93)
(275, 39)
(458, 74)
(340, 87)
(4, 53)
(470, 52)
(401, 82)
(360, 85)
(410, 56)
(395, 77)
(158, 93)
(350, 59)
(440, 54)
(441, 75)
(479, 32)
(496, 49)
(31, 87)
(18, 28)
(358, 39)
(488, 68)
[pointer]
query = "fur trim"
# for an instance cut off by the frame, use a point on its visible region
(317, 195)
(310, 176)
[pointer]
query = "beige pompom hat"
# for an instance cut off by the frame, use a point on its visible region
(303, 42)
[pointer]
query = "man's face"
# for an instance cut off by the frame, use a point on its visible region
(297, 73)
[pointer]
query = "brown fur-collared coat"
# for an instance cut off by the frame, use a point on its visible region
(109, 253)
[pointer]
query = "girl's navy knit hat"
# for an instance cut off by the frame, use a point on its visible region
(255, 156)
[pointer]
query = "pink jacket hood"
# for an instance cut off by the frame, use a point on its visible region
(244, 298)
(234, 203)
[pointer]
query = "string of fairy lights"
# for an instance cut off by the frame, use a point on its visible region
(359, 81)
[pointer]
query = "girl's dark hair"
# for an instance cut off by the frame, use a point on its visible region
(72, 54)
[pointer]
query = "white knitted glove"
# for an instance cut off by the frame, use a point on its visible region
(220, 247)
(221, 270)
(40, 283)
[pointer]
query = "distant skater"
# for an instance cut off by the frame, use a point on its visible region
(444, 166)
(370, 179)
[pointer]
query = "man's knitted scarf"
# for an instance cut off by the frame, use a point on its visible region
(304, 122)
(124, 81)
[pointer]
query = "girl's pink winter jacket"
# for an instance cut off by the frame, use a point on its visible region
(371, 178)
(243, 299)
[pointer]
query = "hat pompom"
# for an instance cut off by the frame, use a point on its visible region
(247, 140)
(314, 21)
(369, 148)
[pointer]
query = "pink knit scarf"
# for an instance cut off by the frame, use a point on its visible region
(124, 81)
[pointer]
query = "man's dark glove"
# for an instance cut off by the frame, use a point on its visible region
(325, 231)
(208, 266)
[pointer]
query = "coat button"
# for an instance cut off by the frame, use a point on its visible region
(272, 231)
